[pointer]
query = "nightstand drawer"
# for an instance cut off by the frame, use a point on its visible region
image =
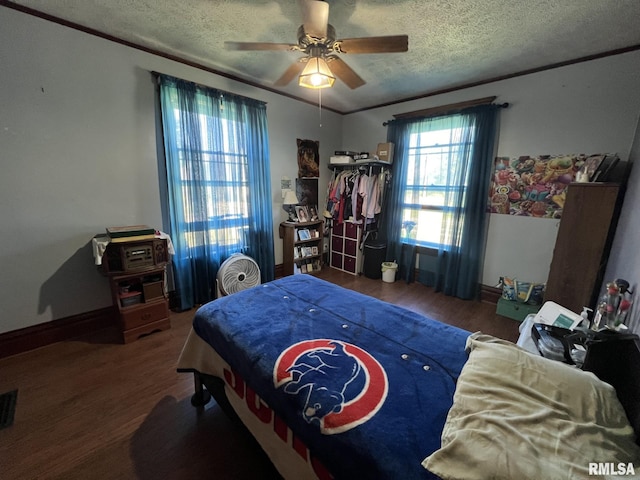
(144, 314)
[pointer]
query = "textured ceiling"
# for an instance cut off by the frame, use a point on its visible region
(451, 42)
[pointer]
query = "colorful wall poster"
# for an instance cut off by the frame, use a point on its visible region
(534, 186)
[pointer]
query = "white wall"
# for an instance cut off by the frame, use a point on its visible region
(78, 154)
(586, 108)
(624, 260)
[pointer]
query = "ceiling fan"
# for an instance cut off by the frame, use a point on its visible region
(317, 39)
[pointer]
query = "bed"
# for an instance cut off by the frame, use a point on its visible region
(336, 384)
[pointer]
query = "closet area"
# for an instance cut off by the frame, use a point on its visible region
(355, 199)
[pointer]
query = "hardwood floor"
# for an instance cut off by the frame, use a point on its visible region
(92, 408)
(469, 315)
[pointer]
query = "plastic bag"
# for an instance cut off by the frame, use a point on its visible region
(523, 292)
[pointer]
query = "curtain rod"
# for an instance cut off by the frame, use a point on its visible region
(447, 109)
(156, 75)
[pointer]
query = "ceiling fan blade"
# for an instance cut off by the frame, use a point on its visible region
(389, 44)
(345, 73)
(293, 71)
(315, 17)
(259, 46)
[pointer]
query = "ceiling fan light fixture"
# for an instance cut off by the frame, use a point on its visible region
(316, 74)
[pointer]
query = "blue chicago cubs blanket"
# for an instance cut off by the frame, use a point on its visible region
(366, 385)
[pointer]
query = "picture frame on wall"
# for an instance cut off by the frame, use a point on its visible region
(308, 158)
(307, 191)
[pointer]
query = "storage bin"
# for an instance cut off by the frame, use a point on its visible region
(152, 290)
(374, 255)
(130, 298)
(389, 270)
(515, 310)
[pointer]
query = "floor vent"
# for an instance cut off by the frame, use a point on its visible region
(7, 408)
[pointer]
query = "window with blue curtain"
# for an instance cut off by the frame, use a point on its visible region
(218, 195)
(436, 220)
(434, 182)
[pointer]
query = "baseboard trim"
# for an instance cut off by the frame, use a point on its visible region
(279, 270)
(490, 294)
(29, 338)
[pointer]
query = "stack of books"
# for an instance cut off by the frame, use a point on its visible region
(130, 233)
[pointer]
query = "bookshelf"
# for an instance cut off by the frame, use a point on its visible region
(302, 247)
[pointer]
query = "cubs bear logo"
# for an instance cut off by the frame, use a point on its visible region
(339, 385)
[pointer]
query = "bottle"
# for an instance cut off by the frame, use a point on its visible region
(610, 301)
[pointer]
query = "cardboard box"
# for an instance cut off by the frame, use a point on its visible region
(385, 152)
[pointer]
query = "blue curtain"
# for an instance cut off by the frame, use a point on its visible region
(454, 267)
(218, 193)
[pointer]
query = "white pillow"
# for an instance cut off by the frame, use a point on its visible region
(520, 416)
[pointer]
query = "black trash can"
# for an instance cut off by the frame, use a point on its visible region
(375, 252)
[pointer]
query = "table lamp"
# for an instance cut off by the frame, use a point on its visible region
(290, 199)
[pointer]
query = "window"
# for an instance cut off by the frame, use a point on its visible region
(217, 184)
(222, 217)
(439, 196)
(432, 183)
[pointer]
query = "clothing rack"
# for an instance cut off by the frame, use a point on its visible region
(342, 204)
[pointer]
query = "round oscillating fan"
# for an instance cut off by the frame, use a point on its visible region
(238, 272)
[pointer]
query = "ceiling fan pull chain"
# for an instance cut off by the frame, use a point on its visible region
(320, 106)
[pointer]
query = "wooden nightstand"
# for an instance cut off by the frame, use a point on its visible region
(136, 271)
(141, 302)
